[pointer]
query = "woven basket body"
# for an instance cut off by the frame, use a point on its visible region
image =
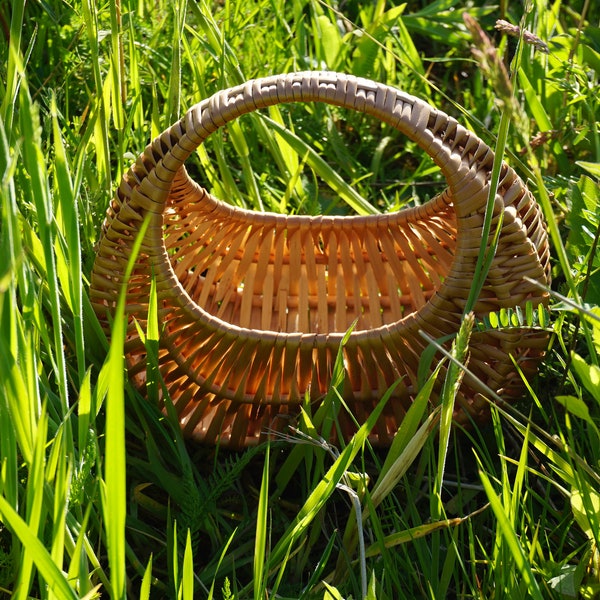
(253, 306)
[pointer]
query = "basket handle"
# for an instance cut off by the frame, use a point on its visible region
(463, 158)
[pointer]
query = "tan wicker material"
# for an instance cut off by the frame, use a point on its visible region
(253, 306)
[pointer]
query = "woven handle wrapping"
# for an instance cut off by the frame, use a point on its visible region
(255, 305)
(462, 157)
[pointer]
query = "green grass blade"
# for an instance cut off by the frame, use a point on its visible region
(413, 533)
(39, 195)
(79, 570)
(174, 95)
(221, 557)
(261, 539)
(152, 344)
(146, 581)
(519, 482)
(11, 458)
(52, 575)
(407, 443)
(68, 218)
(14, 68)
(331, 593)
(537, 110)
(187, 574)
(585, 504)
(36, 510)
(454, 377)
(22, 415)
(248, 175)
(117, 65)
(488, 247)
(401, 464)
(510, 112)
(10, 248)
(510, 537)
(59, 476)
(115, 495)
(84, 411)
(100, 121)
(218, 44)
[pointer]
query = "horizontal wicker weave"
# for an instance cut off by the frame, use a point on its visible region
(253, 306)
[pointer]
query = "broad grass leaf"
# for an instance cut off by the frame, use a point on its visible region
(397, 470)
(586, 510)
(396, 462)
(590, 167)
(331, 593)
(576, 406)
(595, 324)
(372, 590)
(329, 40)
(114, 495)
(588, 374)
(589, 55)
(365, 57)
(407, 45)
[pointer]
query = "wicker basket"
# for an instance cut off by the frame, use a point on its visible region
(253, 306)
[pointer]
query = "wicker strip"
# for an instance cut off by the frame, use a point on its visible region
(254, 306)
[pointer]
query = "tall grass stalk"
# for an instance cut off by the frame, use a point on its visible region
(39, 196)
(68, 244)
(114, 494)
(13, 68)
(100, 109)
(262, 536)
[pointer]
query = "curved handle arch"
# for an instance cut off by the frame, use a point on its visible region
(464, 159)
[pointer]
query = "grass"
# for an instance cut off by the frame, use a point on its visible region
(99, 495)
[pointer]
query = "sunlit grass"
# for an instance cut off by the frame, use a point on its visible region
(99, 495)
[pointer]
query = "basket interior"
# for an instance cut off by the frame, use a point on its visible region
(302, 274)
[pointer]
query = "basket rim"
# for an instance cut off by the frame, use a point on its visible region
(314, 339)
(264, 217)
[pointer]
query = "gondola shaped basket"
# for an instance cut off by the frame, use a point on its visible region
(253, 306)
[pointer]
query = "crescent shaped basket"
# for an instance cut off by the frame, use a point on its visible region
(254, 306)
